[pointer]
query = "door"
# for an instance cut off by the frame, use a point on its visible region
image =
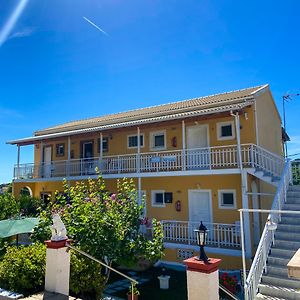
(199, 210)
(47, 161)
(87, 158)
(198, 156)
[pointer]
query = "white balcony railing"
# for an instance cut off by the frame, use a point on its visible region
(165, 161)
(219, 235)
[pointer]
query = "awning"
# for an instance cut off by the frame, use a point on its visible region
(13, 227)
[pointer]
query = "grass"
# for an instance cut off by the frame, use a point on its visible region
(150, 290)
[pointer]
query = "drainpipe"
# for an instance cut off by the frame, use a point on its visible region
(244, 179)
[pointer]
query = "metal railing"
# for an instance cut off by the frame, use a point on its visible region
(259, 263)
(231, 295)
(220, 157)
(219, 235)
(132, 281)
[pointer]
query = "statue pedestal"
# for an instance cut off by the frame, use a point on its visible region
(57, 267)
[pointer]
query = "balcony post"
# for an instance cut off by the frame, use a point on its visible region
(69, 156)
(18, 163)
(41, 159)
(101, 152)
(138, 162)
(183, 158)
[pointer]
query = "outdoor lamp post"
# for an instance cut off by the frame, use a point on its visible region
(201, 235)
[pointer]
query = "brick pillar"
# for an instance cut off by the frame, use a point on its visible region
(57, 267)
(202, 279)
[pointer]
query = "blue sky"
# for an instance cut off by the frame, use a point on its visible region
(56, 67)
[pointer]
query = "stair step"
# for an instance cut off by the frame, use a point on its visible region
(289, 220)
(293, 200)
(278, 260)
(266, 297)
(286, 244)
(293, 193)
(278, 291)
(288, 235)
(281, 281)
(282, 253)
(295, 228)
(288, 206)
(294, 188)
(277, 270)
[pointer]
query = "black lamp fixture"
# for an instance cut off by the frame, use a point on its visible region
(201, 235)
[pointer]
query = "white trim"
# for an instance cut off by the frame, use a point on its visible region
(154, 204)
(151, 140)
(225, 138)
(220, 193)
(133, 135)
(212, 250)
(209, 198)
(136, 175)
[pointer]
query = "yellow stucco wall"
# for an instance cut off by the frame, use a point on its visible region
(268, 123)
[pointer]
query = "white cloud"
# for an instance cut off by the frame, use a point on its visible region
(28, 31)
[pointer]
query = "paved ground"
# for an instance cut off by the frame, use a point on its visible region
(51, 296)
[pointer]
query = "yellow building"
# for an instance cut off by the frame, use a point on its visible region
(196, 160)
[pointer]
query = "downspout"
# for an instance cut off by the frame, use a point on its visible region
(245, 202)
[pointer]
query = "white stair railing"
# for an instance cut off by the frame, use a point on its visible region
(259, 264)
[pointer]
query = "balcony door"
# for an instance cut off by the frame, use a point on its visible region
(200, 209)
(198, 155)
(47, 161)
(87, 154)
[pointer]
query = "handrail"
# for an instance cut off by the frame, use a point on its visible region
(133, 281)
(260, 259)
(223, 288)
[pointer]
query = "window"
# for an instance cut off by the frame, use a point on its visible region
(60, 149)
(158, 198)
(104, 144)
(158, 140)
(132, 141)
(227, 199)
(225, 131)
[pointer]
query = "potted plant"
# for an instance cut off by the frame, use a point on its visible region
(133, 293)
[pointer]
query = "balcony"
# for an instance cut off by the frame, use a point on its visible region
(219, 235)
(210, 158)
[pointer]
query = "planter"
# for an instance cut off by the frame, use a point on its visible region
(135, 297)
(164, 282)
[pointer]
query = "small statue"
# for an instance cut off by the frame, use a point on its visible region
(58, 229)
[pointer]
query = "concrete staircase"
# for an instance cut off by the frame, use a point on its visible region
(264, 175)
(275, 284)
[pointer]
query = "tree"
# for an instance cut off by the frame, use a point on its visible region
(9, 207)
(107, 226)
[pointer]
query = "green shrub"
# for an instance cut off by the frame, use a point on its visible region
(29, 206)
(9, 207)
(22, 269)
(86, 278)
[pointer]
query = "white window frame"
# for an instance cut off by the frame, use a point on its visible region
(219, 131)
(220, 198)
(134, 147)
(153, 134)
(153, 193)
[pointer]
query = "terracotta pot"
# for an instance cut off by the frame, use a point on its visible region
(135, 297)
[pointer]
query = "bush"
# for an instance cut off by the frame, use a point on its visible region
(86, 278)
(29, 206)
(9, 207)
(22, 269)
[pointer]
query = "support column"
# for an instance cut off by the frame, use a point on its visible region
(183, 147)
(41, 167)
(57, 268)
(69, 156)
(18, 163)
(203, 279)
(138, 163)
